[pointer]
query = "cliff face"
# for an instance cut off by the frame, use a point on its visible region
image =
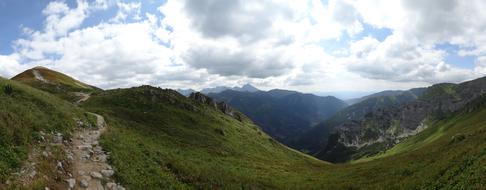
(381, 128)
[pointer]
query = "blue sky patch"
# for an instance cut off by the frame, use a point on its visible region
(378, 33)
(452, 57)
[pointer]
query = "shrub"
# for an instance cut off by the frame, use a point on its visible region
(8, 89)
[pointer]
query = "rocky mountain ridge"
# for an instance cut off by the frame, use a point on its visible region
(384, 127)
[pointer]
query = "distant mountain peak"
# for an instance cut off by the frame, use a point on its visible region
(245, 88)
(185, 92)
(40, 67)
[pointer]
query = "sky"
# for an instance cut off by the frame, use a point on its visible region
(305, 45)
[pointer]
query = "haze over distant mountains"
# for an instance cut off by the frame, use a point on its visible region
(283, 114)
(218, 89)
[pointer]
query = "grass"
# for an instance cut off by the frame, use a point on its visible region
(170, 146)
(23, 114)
(158, 141)
(439, 90)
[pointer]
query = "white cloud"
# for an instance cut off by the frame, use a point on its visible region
(409, 54)
(397, 59)
(252, 39)
(60, 18)
(9, 66)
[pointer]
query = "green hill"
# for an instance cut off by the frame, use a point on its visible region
(54, 82)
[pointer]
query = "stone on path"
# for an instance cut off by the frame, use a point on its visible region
(107, 173)
(96, 175)
(84, 183)
(71, 182)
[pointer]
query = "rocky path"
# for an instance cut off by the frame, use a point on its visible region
(89, 161)
(82, 97)
(75, 163)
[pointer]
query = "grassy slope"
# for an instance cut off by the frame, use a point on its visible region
(23, 114)
(58, 83)
(168, 145)
(158, 141)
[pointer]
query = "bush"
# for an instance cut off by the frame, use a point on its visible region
(8, 89)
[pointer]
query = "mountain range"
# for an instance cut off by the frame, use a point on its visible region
(152, 138)
(383, 120)
(282, 114)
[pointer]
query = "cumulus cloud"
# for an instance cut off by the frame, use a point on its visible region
(246, 20)
(227, 62)
(107, 54)
(60, 18)
(409, 54)
(396, 59)
(255, 39)
(9, 66)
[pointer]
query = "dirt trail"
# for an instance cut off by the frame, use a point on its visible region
(89, 165)
(89, 161)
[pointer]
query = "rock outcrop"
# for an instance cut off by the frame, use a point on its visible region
(221, 106)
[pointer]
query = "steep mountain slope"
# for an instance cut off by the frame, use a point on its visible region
(282, 114)
(54, 82)
(382, 128)
(316, 138)
(25, 115)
